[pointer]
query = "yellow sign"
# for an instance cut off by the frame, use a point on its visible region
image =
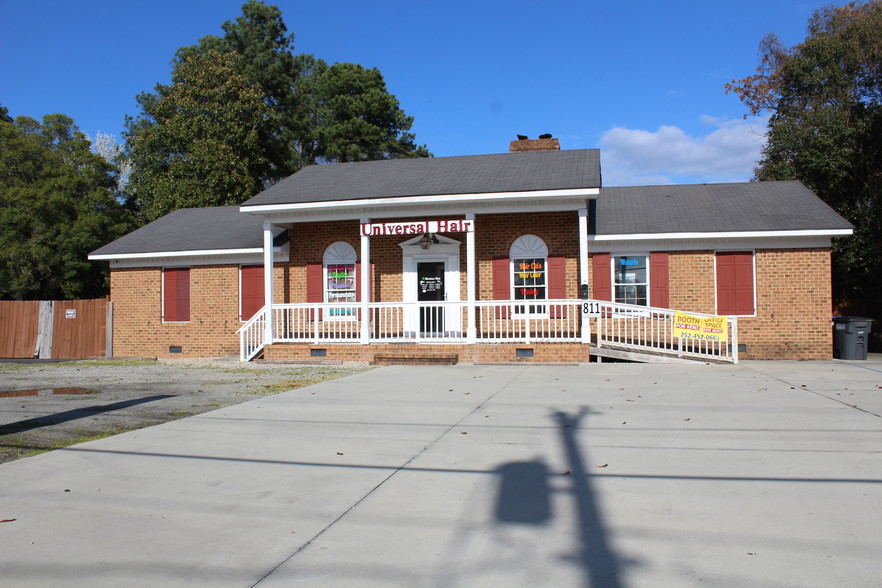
(706, 328)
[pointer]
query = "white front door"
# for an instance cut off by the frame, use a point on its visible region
(428, 276)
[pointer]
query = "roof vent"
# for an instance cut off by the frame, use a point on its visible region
(544, 143)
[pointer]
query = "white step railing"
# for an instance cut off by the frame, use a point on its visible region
(251, 336)
(638, 328)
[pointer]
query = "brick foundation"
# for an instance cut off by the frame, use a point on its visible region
(483, 353)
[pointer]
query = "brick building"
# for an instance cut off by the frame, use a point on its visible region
(511, 257)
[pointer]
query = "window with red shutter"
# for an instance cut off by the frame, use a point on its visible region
(659, 296)
(176, 295)
(251, 292)
(530, 274)
(315, 291)
(601, 274)
(502, 283)
(557, 285)
(340, 279)
(630, 279)
(735, 281)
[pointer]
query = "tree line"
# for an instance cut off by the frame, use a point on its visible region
(241, 112)
(825, 100)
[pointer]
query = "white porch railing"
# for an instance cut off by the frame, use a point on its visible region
(605, 324)
(435, 322)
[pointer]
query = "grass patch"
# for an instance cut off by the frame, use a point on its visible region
(12, 367)
(280, 387)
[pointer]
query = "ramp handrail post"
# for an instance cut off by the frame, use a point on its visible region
(734, 321)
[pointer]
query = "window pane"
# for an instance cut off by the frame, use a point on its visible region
(631, 279)
(630, 269)
(631, 295)
(529, 278)
(529, 283)
(340, 287)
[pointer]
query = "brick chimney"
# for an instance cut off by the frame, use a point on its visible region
(543, 143)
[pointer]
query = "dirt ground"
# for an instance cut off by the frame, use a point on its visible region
(45, 406)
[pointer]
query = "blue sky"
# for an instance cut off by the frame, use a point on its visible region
(642, 80)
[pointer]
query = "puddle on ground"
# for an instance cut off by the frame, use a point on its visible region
(45, 392)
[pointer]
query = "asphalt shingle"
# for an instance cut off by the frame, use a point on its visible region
(471, 174)
(712, 208)
(194, 229)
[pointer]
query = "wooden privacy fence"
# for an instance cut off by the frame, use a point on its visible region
(62, 329)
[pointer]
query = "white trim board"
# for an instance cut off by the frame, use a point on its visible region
(409, 201)
(724, 235)
(377, 213)
(187, 258)
(708, 243)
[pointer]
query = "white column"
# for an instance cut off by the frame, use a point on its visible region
(268, 281)
(471, 280)
(583, 267)
(583, 246)
(365, 286)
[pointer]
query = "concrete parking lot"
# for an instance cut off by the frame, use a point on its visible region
(761, 474)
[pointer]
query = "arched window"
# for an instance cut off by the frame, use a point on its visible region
(339, 263)
(529, 267)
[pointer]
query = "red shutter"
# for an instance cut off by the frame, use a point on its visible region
(176, 294)
(659, 294)
(184, 295)
(601, 275)
(735, 283)
(744, 303)
(556, 274)
(252, 296)
(315, 291)
(501, 283)
(315, 287)
(169, 298)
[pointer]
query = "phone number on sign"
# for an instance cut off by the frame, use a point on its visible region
(701, 337)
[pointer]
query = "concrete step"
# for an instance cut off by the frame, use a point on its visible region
(415, 359)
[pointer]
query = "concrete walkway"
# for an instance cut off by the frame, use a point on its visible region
(762, 474)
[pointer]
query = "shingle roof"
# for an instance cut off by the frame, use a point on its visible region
(195, 229)
(704, 208)
(710, 208)
(470, 174)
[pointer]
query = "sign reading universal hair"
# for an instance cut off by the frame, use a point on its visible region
(417, 227)
(706, 328)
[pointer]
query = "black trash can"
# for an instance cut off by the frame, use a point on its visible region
(851, 336)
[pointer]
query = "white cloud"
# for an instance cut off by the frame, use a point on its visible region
(632, 157)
